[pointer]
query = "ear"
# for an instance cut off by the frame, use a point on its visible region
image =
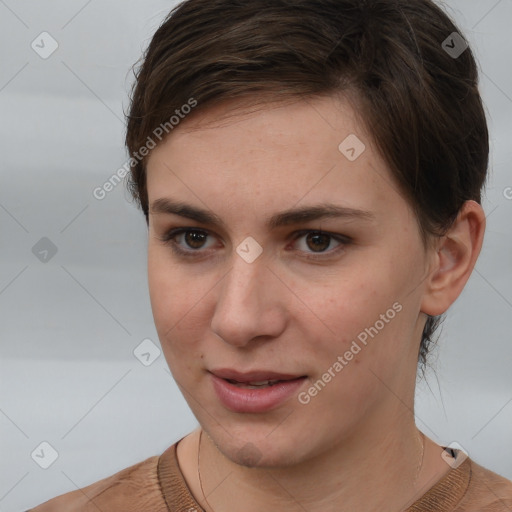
(453, 259)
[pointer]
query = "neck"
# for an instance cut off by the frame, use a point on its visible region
(395, 464)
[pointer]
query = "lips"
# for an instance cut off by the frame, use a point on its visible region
(257, 391)
(254, 377)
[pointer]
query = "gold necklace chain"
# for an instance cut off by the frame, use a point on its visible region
(422, 435)
(199, 471)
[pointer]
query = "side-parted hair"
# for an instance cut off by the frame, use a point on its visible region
(409, 67)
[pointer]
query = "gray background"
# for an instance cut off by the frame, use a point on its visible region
(69, 326)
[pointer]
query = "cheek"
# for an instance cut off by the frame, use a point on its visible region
(179, 303)
(170, 294)
(363, 316)
(349, 304)
(362, 349)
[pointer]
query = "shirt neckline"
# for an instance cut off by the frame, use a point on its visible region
(175, 489)
(443, 496)
(447, 492)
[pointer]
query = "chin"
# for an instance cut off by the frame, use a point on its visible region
(259, 452)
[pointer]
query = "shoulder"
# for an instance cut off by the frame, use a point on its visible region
(487, 491)
(130, 490)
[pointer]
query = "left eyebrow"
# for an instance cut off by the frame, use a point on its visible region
(310, 213)
(285, 218)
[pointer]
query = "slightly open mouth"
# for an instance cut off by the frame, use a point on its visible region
(260, 384)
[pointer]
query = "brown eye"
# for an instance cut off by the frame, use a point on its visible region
(187, 242)
(195, 239)
(319, 245)
(318, 242)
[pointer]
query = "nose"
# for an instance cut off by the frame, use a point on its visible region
(251, 303)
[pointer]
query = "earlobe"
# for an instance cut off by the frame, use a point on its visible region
(454, 260)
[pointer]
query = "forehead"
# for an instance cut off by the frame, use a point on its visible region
(307, 151)
(301, 124)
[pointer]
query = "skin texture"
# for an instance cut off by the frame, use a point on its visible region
(287, 313)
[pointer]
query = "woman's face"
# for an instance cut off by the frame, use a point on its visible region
(341, 308)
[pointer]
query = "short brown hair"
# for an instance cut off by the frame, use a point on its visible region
(419, 101)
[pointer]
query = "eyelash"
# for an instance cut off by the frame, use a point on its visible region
(169, 236)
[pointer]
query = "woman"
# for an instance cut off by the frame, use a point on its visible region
(311, 175)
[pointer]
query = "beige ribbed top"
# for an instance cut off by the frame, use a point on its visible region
(157, 485)
(466, 488)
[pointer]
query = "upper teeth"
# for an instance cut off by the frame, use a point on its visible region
(259, 383)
